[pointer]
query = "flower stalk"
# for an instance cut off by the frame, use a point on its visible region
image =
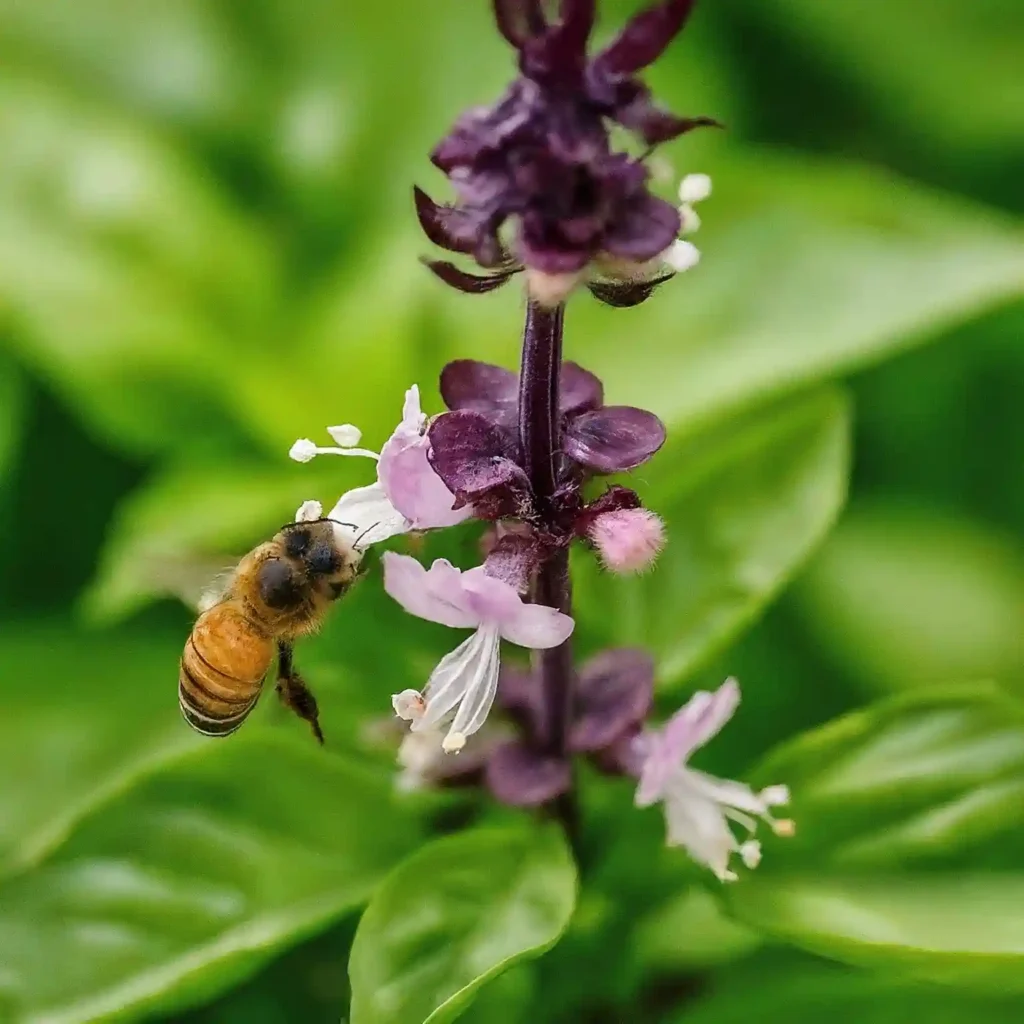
(539, 438)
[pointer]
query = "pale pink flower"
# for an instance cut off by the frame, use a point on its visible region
(463, 685)
(408, 494)
(698, 807)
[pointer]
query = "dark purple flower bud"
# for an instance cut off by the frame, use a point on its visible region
(522, 777)
(614, 693)
(521, 696)
(474, 458)
(541, 157)
(625, 294)
(613, 439)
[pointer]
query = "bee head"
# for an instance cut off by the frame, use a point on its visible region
(279, 585)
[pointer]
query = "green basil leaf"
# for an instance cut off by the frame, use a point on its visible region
(964, 929)
(908, 596)
(802, 995)
(11, 410)
(453, 916)
(909, 842)
(192, 877)
(743, 508)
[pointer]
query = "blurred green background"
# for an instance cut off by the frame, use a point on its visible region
(207, 250)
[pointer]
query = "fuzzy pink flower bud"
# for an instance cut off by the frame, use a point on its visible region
(629, 539)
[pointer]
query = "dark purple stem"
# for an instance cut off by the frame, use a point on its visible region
(539, 440)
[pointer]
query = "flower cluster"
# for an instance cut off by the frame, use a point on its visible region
(526, 452)
(541, 159)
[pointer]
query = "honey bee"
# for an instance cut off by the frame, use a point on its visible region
(279, 592)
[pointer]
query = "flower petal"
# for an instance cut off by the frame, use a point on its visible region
(435, 594)
(519, 20)
(471, 284)
(579, 390)
(613, 696)
(699, 826)
(538, 627)
(644, 228)
(414, 488)
(468, 384)
(480, 692)
(613, 439)
(522, 777)
(445, 226)
(365, 514)
(453, 676)
(492, 599)
(689, 728)
(644, 39)
(471, 455)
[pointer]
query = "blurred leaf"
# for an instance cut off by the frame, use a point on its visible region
(965, 930)
(897, 55)
(65, 737)
(743, 508)
(932, 776)
(104, 178)
(689, 933)
(191, 877)
(906, 596)
(900, 810)
(11, 412)
(136, 360)
(811, 269)
(456, 914)
(172, 58)
(810, 996)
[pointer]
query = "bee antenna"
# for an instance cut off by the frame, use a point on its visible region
(355, 543)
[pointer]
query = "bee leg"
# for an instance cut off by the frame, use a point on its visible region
(294, 693)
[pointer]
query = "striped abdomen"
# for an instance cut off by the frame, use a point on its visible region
(222, 670)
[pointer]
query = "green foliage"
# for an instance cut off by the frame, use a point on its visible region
(908, 844)
(458, 913)
(207, 249)
(909, 597)
(742, 507)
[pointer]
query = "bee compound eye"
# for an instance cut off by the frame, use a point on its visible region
(296, 542)
(323, 559)
(279, 587)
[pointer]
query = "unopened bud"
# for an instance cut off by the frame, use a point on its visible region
(628, 539)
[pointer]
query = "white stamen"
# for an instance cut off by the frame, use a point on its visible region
(694, 188)
(681, 256)
(689, 220)
(309, 512)
(775, 796)
(345, 436)
(750, 853)
(303, 450)
(409, 705)
(453, 742)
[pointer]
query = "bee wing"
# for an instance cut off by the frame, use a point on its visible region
(199, 583)
(215, 590)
